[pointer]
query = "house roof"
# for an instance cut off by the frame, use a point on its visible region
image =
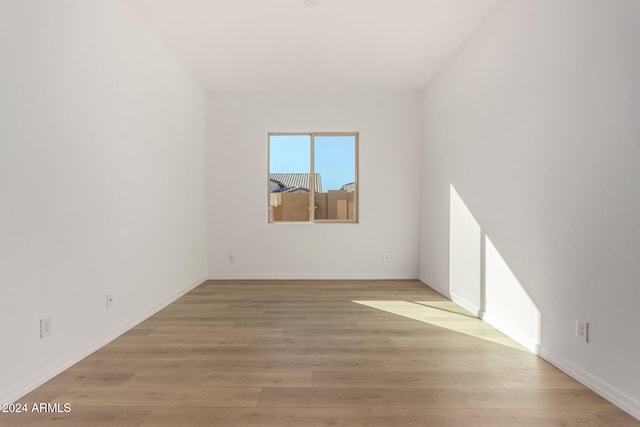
(297, 180)
(349, 187)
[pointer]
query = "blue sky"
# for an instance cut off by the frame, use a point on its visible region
(334, 157)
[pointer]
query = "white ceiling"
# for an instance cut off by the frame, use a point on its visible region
(285, 45)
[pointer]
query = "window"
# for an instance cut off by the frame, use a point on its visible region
(313, 169)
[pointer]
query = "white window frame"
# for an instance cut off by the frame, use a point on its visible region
(312, 219)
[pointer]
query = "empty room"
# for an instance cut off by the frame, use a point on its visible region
(320, 213)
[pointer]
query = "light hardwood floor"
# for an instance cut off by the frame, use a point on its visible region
(316, 353)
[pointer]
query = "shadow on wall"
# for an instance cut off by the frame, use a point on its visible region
(481, 281)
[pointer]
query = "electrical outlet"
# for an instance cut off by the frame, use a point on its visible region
(582, 329)
(45, 327)
(385, 257)
(109, 300)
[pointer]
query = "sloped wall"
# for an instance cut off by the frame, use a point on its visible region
(534, 123)
(102, 181)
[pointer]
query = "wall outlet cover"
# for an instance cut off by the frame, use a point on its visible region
(45, 327)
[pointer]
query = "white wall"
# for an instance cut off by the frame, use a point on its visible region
(389, 126)
(534, 123)
(102, 181)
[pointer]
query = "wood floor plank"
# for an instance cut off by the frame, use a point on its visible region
(536, 399)
(317, 397)
(538, 380)
(152, 396)
(261, 417)
(327, 342)
(188, 377)
(391, 417)
(404, 379)
(48, 392)
(267, 364)
(93, 377)
(187, 339)
(255, 352)
(81, 416)
(616, 418)
(468, 362)
(312, 363)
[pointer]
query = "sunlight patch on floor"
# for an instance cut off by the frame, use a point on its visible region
(447, 315)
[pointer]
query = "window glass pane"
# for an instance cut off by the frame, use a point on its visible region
(335, 164)
(289, 177)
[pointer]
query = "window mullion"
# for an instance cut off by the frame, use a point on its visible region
(312, 183)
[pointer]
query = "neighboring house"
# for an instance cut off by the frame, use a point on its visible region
(293, 182)
(276, 186)
(350, 187)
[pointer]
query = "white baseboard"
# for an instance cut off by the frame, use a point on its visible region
(435, 286)
(15, 392)
(527, 342)
(452, 296)
(604, 389)
(269, 276)
(471, 308)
